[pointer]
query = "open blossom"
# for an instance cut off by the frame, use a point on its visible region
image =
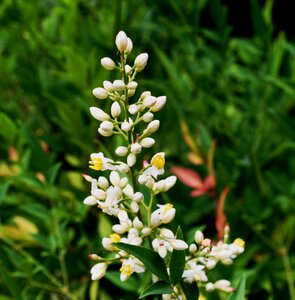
(130, 266)
(157, 165)
(194, 272)
(164, 214)
(111, 204)
(100, 163)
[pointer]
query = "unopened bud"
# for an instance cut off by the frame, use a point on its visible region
(125, 126)
(147, 142)
(160, 102)
(148, 117)
(115, 109)
(192, 248)
(133, 109)
(141, 61)
(99, 114)
(153, 126)
(199, 237)
(121, 151)
(107, 125)
(121, 41)
(135, 148)
(108, 63)
(149, 101)
(94, 257)
(118, 85)
(129, 46)
(104, 132)
(100, 93)
(131, 160)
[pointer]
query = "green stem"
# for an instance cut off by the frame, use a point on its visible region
(288, 271)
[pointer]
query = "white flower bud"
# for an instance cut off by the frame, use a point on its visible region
(192, 248)
(161, 101)
(115, 178)
(121, 41)
(129, 46)
(145, 94)
(104, 132)
(179, 244)
(90, 200)
(121, 151)
(167, 233)
(210, 264)
(210, 287)
(125, 126)
(123, 168)
(146, 231)
(135, 148)
(133, 109)
(149, 101)
(142, 179)
(119, 228)
(100, 93)
(134, 207)
(98, 271)
(118, 85)
(123, 182)
(107, 125)
(227, 261)
(107, 85)
(206, 243)
(169, 182)
(99, 194)
(99, 114)
(137, 224)
(199, 237)
(102, 182)
(153, 126)
(159, 186)
(141, 61)
(148, 117)
(127, 69)
(131, 160)
(147, 142)
(115, 109)
(132, 85)
(108, 63)
(137, 197)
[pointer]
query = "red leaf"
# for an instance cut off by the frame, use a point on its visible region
(209, 182)
(220, 217)
(198, 193)
(188, 177)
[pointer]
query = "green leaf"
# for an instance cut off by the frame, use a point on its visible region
(177, 262)
(190, 290)
(130, 285)
(239, 294)
(7, 127)
(149, 258)
(3, 190)
(158, 288)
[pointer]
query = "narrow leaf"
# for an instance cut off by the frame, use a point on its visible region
(177, 262)
(149, 258)
(158, 288)
(190, 290)
(239, 294)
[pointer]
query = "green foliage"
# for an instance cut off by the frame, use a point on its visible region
(237, 90)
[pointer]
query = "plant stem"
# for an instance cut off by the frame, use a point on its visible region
(288, 271)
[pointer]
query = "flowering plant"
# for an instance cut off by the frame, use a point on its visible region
(127, 189)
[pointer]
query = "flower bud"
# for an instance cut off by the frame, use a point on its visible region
(137, 224)
(126, 126)
(107, 85)
(123, 168)
(179, 244)
(142, 179)
(121, 41)
(146, 231)
(206, 243)
(99, 194)
(131, 160)
(121, 151)
(137, 197)
(90, 200)
(160, 102)
(94, 257)
(134, 207)
(127, 69)
(199, 237)
(133, 109)
(108, 63)
(102, 182)
(118, 85)
(153, 126)
(148, 117)
(104, 132)
(169, 182)
(99, 114)
(123, 183)
(149, 101)
(100, 93)
(107, 125)
(98, 271)
(132, 85)
(135, 148)
(192, 248)
(115, 178)
(147, 142)
(210, 287)
(141, 61)
(115, 110)
(129, 46)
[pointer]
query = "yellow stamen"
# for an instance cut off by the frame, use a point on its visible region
(95, 164)
(168, 207)
(126, 270)
(239, 242)
(115, 238)
(158, 161)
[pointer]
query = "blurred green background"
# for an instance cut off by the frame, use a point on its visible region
(229, 74)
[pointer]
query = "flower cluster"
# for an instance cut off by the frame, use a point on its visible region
(117, 191)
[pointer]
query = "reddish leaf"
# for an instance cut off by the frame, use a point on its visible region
(188, 177)
(209, 182)
(220, 217)
(198, 193)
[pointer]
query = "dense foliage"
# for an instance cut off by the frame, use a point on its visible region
(236, 91)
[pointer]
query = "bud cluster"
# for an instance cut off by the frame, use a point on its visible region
(139, 220)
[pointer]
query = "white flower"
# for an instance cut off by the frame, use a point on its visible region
(194, 272)
(129, 46)
(107, 85)
(100, 93)
(161, 246)
(107, 125)
(121, 151)
(110, 205)
(135, 148)
(132, 85)
(99, 114)
(130, 266)
(223, 285)
(126, 125)
(90, 200)
(153, 126)
(160, 102)
(147, 117)
(164, 185)
(133, 109)
(164, 214)
(98, 271)
(107, 63)
(137, 197)
(121, 41)
(199, 237)
(108, 241)
(100, 163)
(131, 160)
(102, 182)
(104, 132)
(141, 61)
(147, 142)
(149, 101)
(157, 165)
(122, 167)
(118, 85)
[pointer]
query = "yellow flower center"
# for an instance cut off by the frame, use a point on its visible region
(126, 270)
(168, 207)
(115, 238)
(239, 242)
(159, 161)
(95, 164)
